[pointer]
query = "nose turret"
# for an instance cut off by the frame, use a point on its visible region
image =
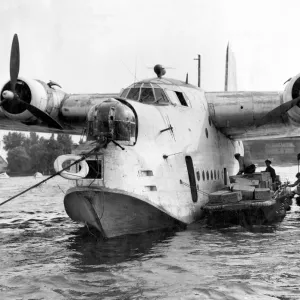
(114, 121)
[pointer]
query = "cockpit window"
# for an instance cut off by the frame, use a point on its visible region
(181, 98)
(173, 97)
(134, 94)
(147, 95)
(160, 96)
(176, 98)
(124, 93)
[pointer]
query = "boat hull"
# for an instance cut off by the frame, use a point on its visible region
(247, 213)
(114, 213)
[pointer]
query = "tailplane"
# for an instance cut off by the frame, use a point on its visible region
(230, 71)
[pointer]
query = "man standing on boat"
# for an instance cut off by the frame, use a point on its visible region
(270, 170)
(246, 166)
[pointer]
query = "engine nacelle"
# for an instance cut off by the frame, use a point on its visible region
(36, 93)
(292, 91)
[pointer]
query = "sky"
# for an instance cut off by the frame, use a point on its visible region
(97, 46)
(90, 46)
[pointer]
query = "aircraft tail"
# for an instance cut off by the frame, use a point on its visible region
(230, 71)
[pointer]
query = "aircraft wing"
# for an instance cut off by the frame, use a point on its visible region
(50, 110)
(254, 115)
(257, 115)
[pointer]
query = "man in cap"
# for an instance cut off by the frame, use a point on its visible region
(270, 170)
(246, 166)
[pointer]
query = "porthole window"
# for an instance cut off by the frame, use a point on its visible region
(215, 174)
(218, 174)
(211, 175)
(207, 175)
(198, 175)
(203, 175)
(206, 132)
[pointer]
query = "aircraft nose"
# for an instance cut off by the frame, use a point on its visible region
(113, 120)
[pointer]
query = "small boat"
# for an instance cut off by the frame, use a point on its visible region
(4, 175)
(251, 205)
(38, 175)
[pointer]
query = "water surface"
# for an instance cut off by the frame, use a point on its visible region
(45, 255)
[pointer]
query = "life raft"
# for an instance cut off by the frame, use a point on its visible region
(58, 166)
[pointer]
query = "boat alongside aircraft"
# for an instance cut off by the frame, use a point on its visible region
(155, 151)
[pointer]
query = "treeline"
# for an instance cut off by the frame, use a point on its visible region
(27, 155)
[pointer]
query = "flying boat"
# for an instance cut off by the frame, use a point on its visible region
(154, 152)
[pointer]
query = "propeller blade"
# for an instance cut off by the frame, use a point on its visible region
(14, 62)
(277, 112)
(43, 116)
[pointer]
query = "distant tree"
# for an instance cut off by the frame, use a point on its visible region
(13, 140)
(35, 154)
(18, 160)
(65, 140)
(38, 155)
(54, 149)
(33, 139)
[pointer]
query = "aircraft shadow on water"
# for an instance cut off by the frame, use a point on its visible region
(153, 152)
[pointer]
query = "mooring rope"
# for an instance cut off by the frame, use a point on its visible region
(195, 187)
(84, 156)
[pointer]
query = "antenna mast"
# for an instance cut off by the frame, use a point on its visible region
(199, 69)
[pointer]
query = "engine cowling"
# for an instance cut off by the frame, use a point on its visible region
(36, 93)
(292, 91)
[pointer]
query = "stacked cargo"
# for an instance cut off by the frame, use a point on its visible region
(256, 186)
(248, 201)
(246, 190)
(224, 197)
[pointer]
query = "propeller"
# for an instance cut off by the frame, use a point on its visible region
(12, 98)
(14, 62)
(277, 113)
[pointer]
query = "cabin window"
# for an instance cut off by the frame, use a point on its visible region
(203, 175)
(147, 95)
(181, 98)
(207, 175)
(225, 176)
(134, 94)
(198, 175)
(192, 179)
(218, 174)
(211, 175)
(215, 174)
(124, 93)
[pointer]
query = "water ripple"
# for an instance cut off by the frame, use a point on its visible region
(44, 255)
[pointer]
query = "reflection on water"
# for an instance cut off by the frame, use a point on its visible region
(90, 250)
(44, 255)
